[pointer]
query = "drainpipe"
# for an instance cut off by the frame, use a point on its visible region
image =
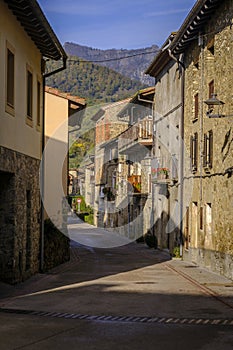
(42, 175)
(182, 159)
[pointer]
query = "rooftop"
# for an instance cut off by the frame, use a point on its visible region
(74, 99)
(35, 24)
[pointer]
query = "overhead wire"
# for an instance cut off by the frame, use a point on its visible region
(112, 59)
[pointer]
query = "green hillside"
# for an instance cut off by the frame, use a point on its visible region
(95, 83)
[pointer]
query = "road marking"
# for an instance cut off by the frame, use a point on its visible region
(111, 318)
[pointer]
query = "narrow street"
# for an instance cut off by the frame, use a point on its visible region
(130, 297)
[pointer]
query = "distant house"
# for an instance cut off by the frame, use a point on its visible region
(107, 127)
(124, 139)
(62, 110)
(26, 38)
(134, 169)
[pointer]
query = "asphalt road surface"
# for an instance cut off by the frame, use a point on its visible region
(128, 297)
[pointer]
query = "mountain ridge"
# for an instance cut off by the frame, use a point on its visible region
(131, 63)
(95, 83)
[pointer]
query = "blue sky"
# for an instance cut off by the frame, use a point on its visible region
(104, 24)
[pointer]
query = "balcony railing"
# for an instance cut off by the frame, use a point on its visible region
(164, 169)
(139, 133)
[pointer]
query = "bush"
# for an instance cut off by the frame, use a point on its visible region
(89, 219)
(176, 252)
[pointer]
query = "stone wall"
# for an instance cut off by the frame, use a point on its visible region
(19, 216)
(208, 232)
(56, 246)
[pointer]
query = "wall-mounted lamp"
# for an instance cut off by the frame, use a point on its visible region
(211, 103)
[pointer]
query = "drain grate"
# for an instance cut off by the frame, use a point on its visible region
(109, 318)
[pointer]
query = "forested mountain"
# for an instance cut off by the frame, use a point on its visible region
(95, 83)
(133, 65)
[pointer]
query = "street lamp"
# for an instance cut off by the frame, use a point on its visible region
(211, 103)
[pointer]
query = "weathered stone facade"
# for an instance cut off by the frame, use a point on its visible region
(208, 222)
(107, 127)
(166, 164)
(19, 216)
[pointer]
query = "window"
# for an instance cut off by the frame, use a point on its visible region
(196, 106)
(10, 78)
(194, 224)
(186, 229)
(201, 218)
(208, 227)
(194, 151)
(208, 150)
(29, 93)
(38, 102)
(211, 88)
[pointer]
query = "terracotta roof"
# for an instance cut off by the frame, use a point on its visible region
(75, 99)
(35, 24)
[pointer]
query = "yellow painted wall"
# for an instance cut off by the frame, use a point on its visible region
(56, 159)
(14, 132)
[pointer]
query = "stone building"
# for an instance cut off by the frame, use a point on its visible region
(107, 127)
(166, 160)
(26, 38)
(204, 44)
(134, 200)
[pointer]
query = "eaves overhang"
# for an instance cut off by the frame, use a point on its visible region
(162, 58)
(147, 94)
(35, 24)
(193, 24)
(158, 64)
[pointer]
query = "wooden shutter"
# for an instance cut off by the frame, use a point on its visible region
(210, 150)
(205, 151)
(191, 152)
(195, 151)
(196, 106)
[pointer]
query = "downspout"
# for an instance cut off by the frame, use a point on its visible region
(182, 159)
(42, 175)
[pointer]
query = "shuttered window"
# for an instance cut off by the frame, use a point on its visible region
(29, 94)
(208, 150)
(194, 151)
(10, 78)
(196, 106)
(211, 88)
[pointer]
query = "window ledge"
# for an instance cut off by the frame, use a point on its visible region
(29, 121)
(10, 110)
